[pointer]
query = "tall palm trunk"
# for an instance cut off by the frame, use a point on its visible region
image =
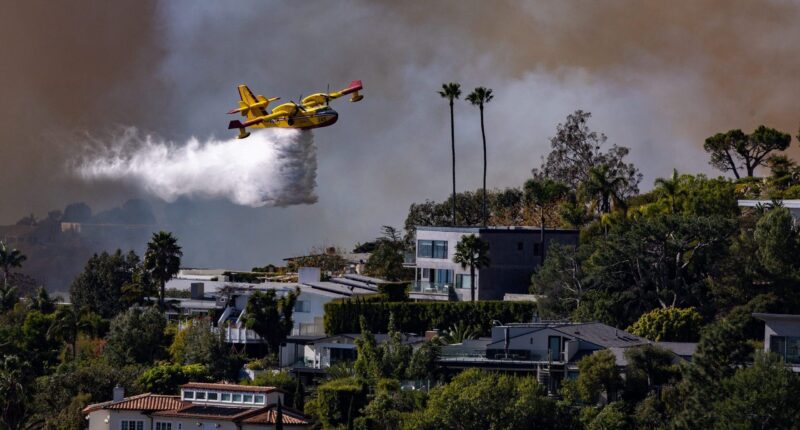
(453, 150)
(541, 238)
(161, 296)
(472, 281)
(483, 135)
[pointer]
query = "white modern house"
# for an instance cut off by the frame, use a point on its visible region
(199, 406)
(514, 253)
(782, 337)
(792, 205)
(214, 295)
(314, 354)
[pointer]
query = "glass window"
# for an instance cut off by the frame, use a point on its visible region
(443, 276)
(188, 395)
(200, 395)
(300, 306)
(520, 246)
(537, 249)
(212, 396)
(463, 281)
(260, 399)
(226, 397)
(424, 248)
(247, 398)
(237, 397)
(439, 249)
(163, 426)
(131, 425)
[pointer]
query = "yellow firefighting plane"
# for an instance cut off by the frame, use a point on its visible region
(312, 112)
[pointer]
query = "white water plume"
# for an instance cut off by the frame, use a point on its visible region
(273, 167)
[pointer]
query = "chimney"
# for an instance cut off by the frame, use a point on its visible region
(119, 393)
(430, 334)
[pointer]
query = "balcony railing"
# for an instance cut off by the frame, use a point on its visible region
(429, 287)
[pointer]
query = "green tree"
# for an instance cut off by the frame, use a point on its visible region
(612, 417)
(561, 281)
(482, 400)
(451, 92)
(762, 396)
(99, 287)
(10, 259)
(165, 378)
(9, 296)
(423, 364)
(163, 260)
(368, 356)
(479, 97)
(386, 261)
(733, 150)
(67, 325)
(199, 344)
(338, 402)
(670, 189)
(544, 194)
(395, 355)
(15, 392)
(649, 368)
(576, 149)
(606, 187)
(778, 243)
(598, 375)
(472, 252)
(270, 316)
(41, 301)
(136, 336)
(669, 325)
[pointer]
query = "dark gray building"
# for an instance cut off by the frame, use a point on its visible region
(515, 253)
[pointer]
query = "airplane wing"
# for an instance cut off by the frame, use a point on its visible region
(254, 121)
(322, 98)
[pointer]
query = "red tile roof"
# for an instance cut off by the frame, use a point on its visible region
(229, 387)
(142, 402)
(269, 416)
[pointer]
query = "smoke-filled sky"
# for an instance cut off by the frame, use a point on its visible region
(657, 76)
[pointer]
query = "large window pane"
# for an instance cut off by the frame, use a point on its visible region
(793, 350)
(425, 248)
(439, 249)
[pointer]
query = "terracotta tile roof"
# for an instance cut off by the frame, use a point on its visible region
(269, 414)
(221, 386)
(227, 413)
(142, 402)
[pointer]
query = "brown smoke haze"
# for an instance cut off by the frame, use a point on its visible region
(658, 77)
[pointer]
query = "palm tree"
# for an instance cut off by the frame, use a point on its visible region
(66, 326)
(10, 259)
(545, 195)
(8, 297)
(163, 260)
(41, 301)
(606, 187)
(670, 188)
(279, 416)
(473, 253)
(451, 92)
(478, 97)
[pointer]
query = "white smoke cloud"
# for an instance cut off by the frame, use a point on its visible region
(274, 167)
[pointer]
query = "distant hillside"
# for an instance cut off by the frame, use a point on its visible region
(59, 245)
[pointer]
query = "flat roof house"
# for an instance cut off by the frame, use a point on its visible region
(199, 406)
(515, 253)
(782, 337)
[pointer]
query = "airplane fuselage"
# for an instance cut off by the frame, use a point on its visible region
(309, 118)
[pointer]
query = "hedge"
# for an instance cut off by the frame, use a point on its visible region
(339, 401)
(417, 317)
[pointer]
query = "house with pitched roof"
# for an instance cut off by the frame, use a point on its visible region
(199, 406)
(550, 350)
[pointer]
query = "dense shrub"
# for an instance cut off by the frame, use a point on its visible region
(669, 325)
(416, 317)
